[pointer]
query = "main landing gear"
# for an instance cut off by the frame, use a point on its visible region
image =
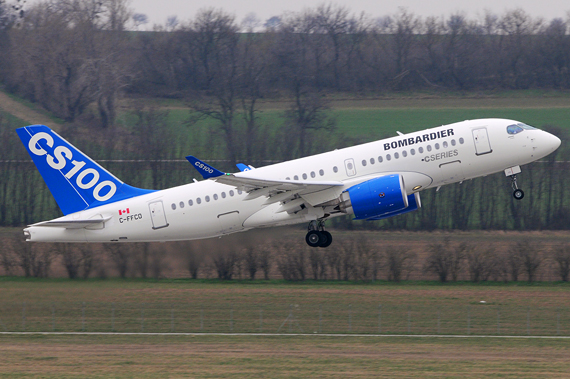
(317, 235)
(518, 193)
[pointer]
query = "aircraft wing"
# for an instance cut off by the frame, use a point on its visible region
(279, 190)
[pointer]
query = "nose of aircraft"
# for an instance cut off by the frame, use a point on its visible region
(552, 142)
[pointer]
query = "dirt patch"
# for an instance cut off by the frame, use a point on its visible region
(24, 113)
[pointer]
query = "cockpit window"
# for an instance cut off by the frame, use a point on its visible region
(514, 129)
(525, 126)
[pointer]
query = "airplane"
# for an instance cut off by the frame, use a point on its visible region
(371, 181)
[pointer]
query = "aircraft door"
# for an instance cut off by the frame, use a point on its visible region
(350, 167)
(157, 215)
(481, 139)
(451, 172)
(229, 222)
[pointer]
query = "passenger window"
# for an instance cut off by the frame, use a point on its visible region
(240, 192)
(181, 204)
(223, 195)
(304, 176)
(396, 155)
(321, 172)
(198, 201)
(287, 178)
(372, 161)
(313, 174)
(190, 202)
(380, 159)
(420, 149)
(453, 142)
(173, 206)
(404, 153)
(335, 169)
(296, 177)
(445, 144)
(413, 151)
(364, 162)
(207, 199)
(437, 146)
(461, 140)
(428, 147)
(215, 196)
(231, 192)
(388, 157)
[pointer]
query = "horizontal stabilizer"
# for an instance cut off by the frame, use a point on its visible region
(203, 168)
(73, 224)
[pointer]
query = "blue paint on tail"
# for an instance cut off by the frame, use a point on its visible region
(75, 180)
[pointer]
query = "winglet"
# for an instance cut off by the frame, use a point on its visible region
(243, 167)
(204, 169)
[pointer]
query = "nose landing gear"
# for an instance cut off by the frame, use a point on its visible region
(517, 193)
(317, 235)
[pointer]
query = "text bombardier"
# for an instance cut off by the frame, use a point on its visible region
(418, 139)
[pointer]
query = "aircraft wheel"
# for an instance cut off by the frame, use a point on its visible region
(314, 238)
(518, 194)
(328, 239)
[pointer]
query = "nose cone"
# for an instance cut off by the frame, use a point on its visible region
(552, 142)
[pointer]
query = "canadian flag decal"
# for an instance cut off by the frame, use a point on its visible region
(125, 211)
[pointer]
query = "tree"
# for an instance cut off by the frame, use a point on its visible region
(224, 262)
(265, 263)
(251, 261)
(529, 257)
(34, 259)
(444, 259)
(139, 19)
(121, 256)
(398, 261)
(561, 256)
(480, 263)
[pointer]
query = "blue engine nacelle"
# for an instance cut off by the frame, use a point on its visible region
(381, 197)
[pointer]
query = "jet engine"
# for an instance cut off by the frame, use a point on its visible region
(379, 198)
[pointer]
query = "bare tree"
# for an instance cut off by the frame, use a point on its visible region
(317, 262)
(291, 262)
(7, 257)
(480, 263)
(141, 258)
(513, 262)
(71, 257)
(224, 262)
(444, 259)
(251, 261)
(121, 256)
(398, 261)
(157, 262)
(195, 258)
(561, 255)
(530, 257)
(265, 262)
(34, 259)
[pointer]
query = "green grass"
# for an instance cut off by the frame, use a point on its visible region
(213, 306)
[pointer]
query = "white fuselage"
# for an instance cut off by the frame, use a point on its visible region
(426, 159)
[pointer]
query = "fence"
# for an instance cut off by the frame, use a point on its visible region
(471, 319)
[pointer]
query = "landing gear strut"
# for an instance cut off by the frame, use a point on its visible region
(317, 235)
(518, 193)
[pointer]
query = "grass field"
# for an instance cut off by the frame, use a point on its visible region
(275, 306)
(280, 357)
